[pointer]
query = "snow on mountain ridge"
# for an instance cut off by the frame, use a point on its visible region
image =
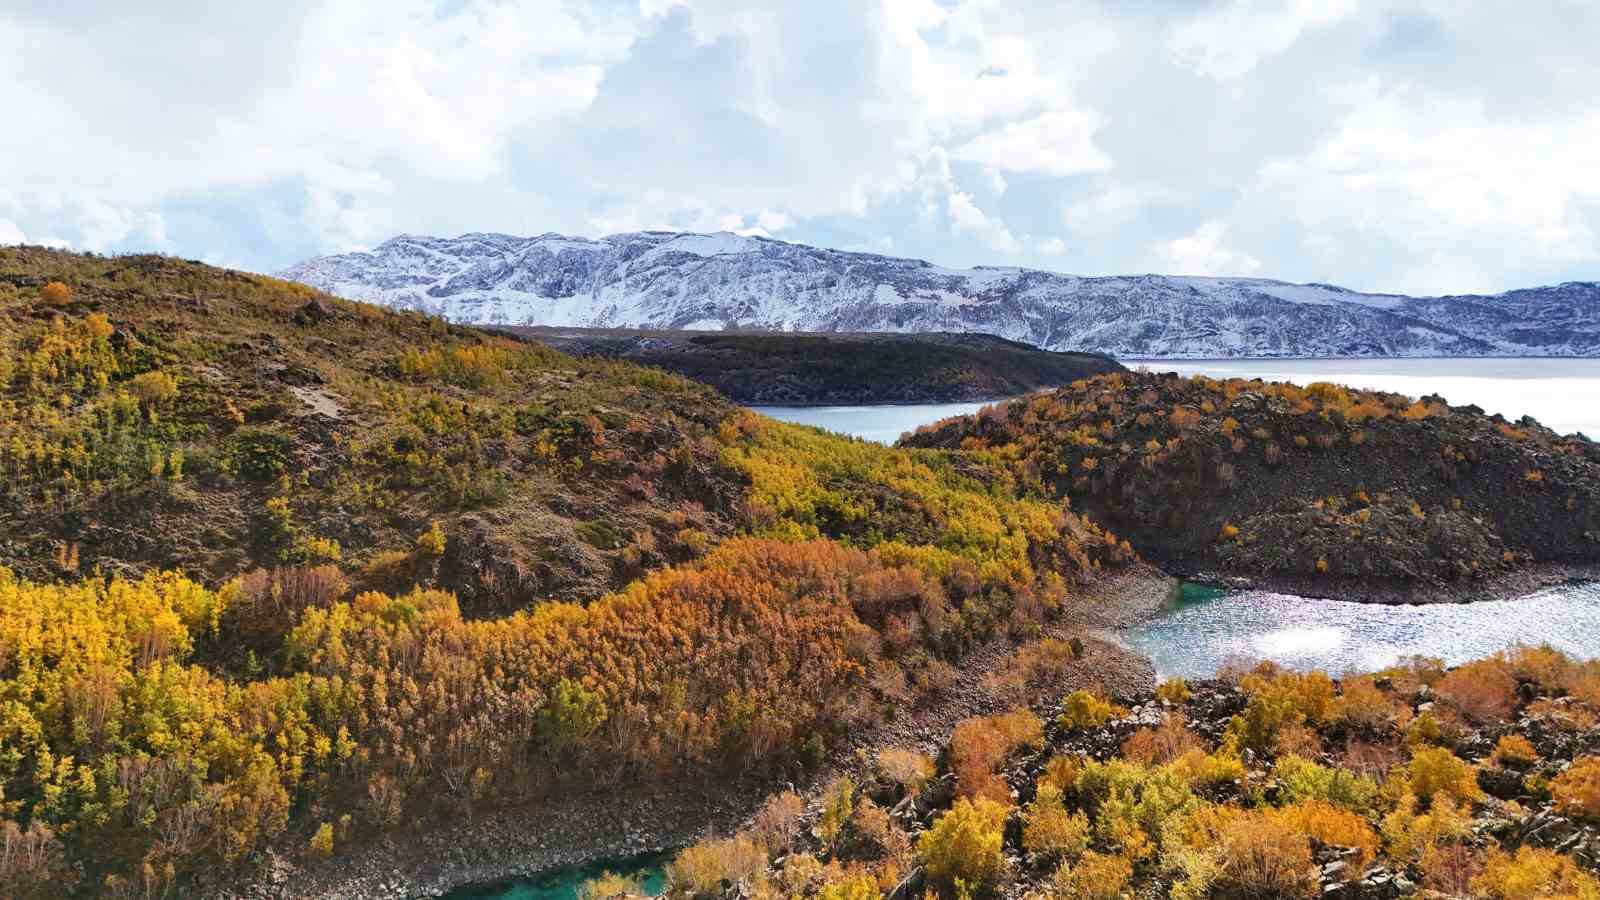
(656, 279)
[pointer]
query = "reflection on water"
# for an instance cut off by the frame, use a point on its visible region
(1193, 638)
(883, 424)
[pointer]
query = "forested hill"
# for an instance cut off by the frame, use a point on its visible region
(785, 368)
(1318, 490)
(281, 570)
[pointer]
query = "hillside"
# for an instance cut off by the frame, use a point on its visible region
(1318, 490)
(282, 573)
(1414, 781)
(666, 280)
(790, 369)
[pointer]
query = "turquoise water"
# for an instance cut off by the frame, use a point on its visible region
(563, 884)
(1205, 628)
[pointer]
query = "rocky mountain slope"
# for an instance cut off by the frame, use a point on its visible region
(716, 281)
(824, 369)
(1321, 490)
(1415, 781)
(283, 574)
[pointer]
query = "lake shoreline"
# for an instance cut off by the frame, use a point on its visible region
(1380, 592)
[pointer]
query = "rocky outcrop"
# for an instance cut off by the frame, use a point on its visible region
(1320, 491)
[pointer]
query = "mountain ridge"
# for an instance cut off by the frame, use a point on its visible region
(695, 281)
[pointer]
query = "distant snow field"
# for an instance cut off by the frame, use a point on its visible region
(723, 280)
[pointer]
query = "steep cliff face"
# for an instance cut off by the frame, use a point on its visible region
(716, 281)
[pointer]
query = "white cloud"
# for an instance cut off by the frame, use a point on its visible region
(1053, 143)
(968, 219)
(10, 233)
(1387, 145)
(1202, 253)
(1227, 42)
(1450, 182)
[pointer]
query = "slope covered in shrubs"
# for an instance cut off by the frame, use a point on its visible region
(1318, 488)
(777, 368)
(1478, 781)
(278, 570)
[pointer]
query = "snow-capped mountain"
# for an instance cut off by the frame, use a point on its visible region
(715, 281)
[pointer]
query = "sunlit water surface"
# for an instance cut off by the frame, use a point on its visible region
(1201, 633)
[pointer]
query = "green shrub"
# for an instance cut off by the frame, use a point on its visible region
(708, 868)
(1083, 709)
(1436, 771)
(259, 454)
(964, 847)
(1300, 779)
(1049, 831)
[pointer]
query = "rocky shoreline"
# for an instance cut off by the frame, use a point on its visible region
(576, 830)
(1388, 592)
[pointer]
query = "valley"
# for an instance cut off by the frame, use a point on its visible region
(693, 450)
(305, 597)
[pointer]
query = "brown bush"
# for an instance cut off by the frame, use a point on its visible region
(980, 744)
(1576, 791)
(1562, 714)
(1514, 750)
(1034, 669)
(1450, 868)
(1543, 665)
(908, 768)
(1373, 759)
(1483, 691)
(1262, 858)
(29, 859)
(778, 822)
(268, 602)
(1363, 705)
(1163, 744)
(55, 293)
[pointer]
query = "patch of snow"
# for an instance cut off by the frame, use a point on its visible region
(642, 280)
(712, 244)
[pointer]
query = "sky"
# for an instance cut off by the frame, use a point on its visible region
(1429, 146)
